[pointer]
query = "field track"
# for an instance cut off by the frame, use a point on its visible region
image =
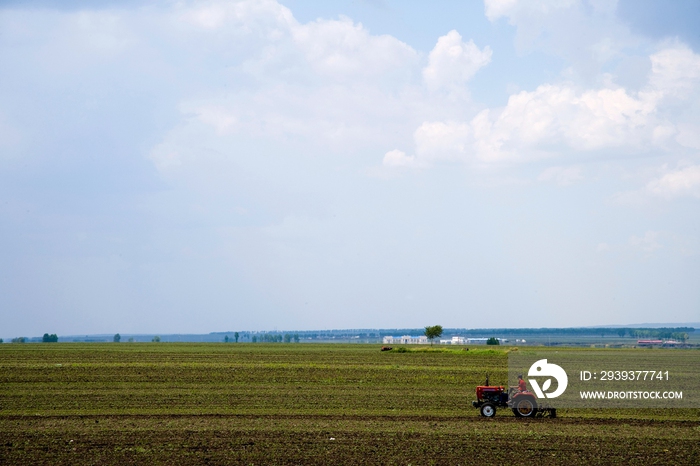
(297, 404)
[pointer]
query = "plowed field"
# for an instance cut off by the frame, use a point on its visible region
(298, 404)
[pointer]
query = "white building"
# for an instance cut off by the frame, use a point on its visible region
(455, 341)
(469, 341)
(406, 340)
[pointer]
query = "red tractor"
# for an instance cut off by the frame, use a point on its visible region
(523, 403)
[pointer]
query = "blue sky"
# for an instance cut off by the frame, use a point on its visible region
(205, 166)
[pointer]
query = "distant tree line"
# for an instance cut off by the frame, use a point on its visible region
(658, 333)
(313, 334)
(666, 332)
(275, 338)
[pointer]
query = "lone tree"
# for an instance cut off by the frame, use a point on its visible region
(433, 332)
(53, 338)
(156, 339)
(235, 336)
(117, 338)
(493, 341)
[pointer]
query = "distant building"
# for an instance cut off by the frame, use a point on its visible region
(649, 342)
(658, 342)
(468, 341)
(406, 340)
(455, 341)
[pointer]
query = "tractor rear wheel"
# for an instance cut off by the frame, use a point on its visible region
(525, 407)
(488, 410)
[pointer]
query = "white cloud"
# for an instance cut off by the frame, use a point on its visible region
(166, 157)
(603, 247)
(248, 16)
(662, 183)
(277, 42)
(677, 183)
(594, 119)
(651, 243)
(346, 50)
(557, 119)
(399, 159)
(495, 9)
(542, 123)
(209, 17)
(324, 87)
(562, 176)
(675, 70)
(552, 116)
(689, 134)
(585, 34)
(647, 243)
(218, 117)
(442, 140)
(453, 62)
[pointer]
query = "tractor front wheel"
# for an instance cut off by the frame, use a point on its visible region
(525, 407)
(488, 410)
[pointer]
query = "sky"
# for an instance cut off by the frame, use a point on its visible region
(190, 167)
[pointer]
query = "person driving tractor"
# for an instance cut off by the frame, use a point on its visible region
(522, 386)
